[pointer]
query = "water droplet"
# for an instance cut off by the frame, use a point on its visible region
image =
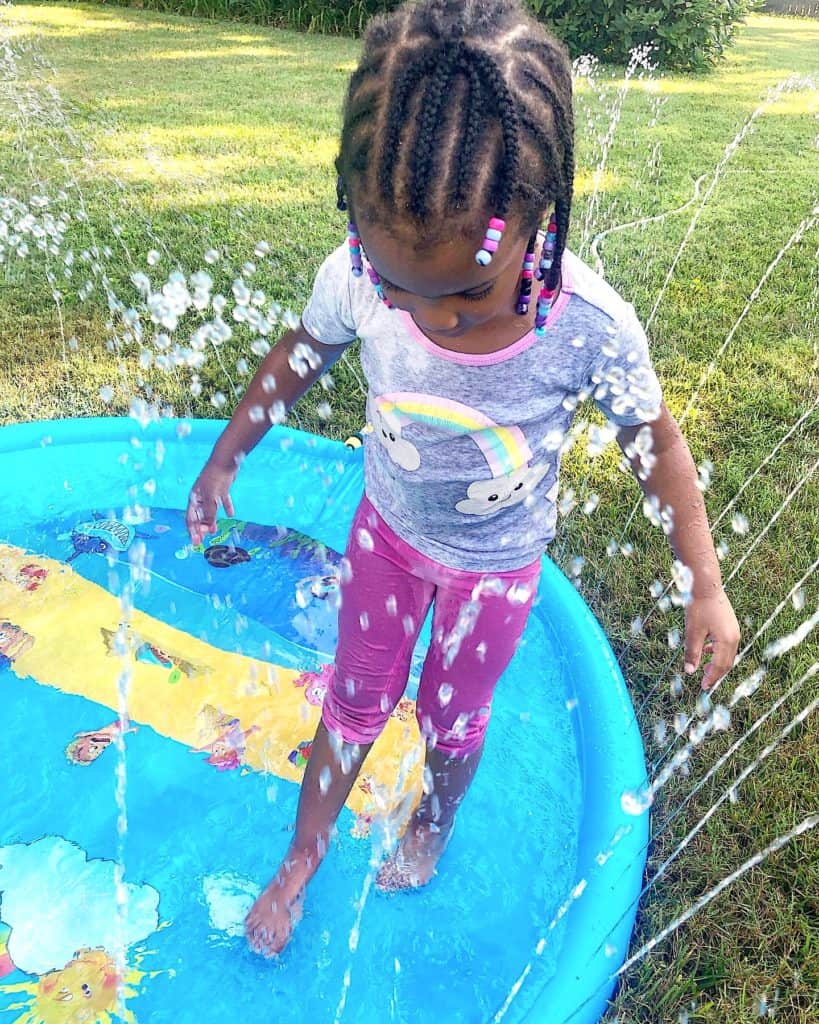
(106, 393)
(445, 692)
(153, 257)
(798, 599)
(739, 523)
(391, 604)
(212, 256)
(325, 778)
(591, 504)
(365, 539)
(364, 621)
(674, 638)
(636, 801)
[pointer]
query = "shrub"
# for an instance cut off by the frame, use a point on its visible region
(687, 34)
(332, 16)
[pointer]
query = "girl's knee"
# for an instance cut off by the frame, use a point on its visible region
(458, 736)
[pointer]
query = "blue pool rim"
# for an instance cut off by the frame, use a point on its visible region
(609, 745)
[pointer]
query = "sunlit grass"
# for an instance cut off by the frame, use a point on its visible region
(207, 133)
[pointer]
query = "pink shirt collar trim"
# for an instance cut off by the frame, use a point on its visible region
(469, 359)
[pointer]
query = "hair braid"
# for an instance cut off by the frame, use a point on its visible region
(507, 171)
(470, 132)
(429, 129)
(396, 116)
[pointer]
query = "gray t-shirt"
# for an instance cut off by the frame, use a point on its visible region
(463, 454)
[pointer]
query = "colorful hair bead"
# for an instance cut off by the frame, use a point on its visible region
(525, 295)
(544, 305)
(494, 234)
(355, 249)
(376, 282)
(548, 251)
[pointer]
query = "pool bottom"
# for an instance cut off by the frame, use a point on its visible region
(204, 839)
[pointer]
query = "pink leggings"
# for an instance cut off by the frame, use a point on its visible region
(386, 590)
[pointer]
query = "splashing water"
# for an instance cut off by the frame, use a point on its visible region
(179, 324)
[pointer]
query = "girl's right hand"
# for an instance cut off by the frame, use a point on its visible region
(212, 489)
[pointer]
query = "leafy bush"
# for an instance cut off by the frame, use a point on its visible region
(332, 16)
(687, 34)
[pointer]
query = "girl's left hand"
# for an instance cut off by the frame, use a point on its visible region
(711, 627)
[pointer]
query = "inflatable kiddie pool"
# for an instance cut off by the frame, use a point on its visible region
(222, 653)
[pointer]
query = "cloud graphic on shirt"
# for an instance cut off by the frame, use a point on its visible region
(484, 497)
(387, 428)
(56, 902)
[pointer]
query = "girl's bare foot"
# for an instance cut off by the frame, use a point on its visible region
(272, 918)
(413, 863)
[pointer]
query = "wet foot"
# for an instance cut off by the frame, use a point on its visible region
(272, 918)
(413, 863)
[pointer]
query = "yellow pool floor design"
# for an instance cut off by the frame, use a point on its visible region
(66, 615)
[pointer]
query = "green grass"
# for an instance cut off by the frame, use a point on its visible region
(209, 133)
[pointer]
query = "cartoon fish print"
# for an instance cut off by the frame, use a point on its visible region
(117, 642)
(102, 536)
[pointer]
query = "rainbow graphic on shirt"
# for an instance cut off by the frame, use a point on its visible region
(504, 448)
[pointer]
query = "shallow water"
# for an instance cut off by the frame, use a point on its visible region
(204, 833)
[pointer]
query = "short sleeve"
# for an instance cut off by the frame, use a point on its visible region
(621, 378)
(328, 315)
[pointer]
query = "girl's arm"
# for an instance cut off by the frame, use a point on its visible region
(710, 622)
(288, 370)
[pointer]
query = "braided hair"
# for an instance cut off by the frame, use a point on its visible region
(459, 106)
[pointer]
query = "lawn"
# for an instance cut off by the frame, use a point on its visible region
(181, 136)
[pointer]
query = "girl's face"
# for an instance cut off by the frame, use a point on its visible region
(447, 293)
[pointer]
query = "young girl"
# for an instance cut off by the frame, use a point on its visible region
(457, 145)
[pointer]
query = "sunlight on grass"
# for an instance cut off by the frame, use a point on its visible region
(221, 53)
(585, 180)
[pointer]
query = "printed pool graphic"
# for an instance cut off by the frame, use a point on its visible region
(226, 651)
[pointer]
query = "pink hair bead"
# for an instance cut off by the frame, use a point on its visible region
(494, 233)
